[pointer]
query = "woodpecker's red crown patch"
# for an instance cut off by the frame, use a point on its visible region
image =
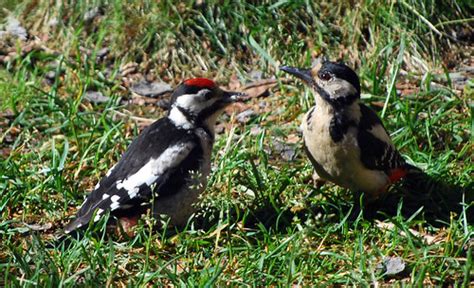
(200, 82)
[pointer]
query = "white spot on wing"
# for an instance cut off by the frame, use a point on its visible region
(97, 217)
(110, 171)
(98, 213)
(105, 196)
(115, 198)
(133, 193)
(114, 206)
(150, 172)
(97, 186)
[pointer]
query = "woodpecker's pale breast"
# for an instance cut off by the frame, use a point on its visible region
(338, 162)
(181, 204)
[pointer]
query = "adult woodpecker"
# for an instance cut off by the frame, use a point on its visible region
(344, 139)
(167, 165)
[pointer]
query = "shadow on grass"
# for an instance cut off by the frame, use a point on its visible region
(438, 199)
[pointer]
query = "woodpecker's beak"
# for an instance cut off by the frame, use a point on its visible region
(303, 74)
(231, 97)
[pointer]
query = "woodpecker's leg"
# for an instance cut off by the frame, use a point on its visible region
(126, 224)
(318, 180)
(357, 208)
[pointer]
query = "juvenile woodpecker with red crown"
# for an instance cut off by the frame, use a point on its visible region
(344, 139)
(166, 167)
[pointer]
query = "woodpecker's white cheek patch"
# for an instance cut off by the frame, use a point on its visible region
(195, 102)
(179, 119)
(340, 88)
(152, 170)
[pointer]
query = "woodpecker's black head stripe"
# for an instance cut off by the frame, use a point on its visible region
(342, 71)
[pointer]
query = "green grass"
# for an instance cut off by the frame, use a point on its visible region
(263, 222)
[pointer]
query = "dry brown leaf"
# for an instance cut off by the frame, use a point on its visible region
(292, 139)
(234, 83)
(237, 108)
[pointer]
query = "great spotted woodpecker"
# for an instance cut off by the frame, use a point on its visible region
(167, 165)
(344, 139)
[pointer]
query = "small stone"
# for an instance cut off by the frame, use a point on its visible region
(468, 69)
(392, 265)
(96, 97)
(51, 75)
(102, 52)
(256, 75)
(91, 14)
(454, 77)
(254, 131)
(286, 151)
(245, 116)
(14, 28)
(53, 22)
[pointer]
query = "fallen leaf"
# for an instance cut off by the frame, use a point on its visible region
(150, 89)
(39, 227)
(237, 108)
(293, 139)
(245, 116)
(234, 83)
(96, 97)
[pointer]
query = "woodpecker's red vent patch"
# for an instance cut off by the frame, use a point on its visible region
(397, 174)
(200, 82)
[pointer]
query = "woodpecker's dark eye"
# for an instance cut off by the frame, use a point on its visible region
(208, 95)
(325, 76)
(205, 94)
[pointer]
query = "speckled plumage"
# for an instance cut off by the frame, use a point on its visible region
(344, 139)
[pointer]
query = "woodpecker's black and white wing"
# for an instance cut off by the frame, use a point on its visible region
(376, 148)
(146, 165)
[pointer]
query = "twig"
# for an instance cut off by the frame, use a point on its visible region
(128, 114)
